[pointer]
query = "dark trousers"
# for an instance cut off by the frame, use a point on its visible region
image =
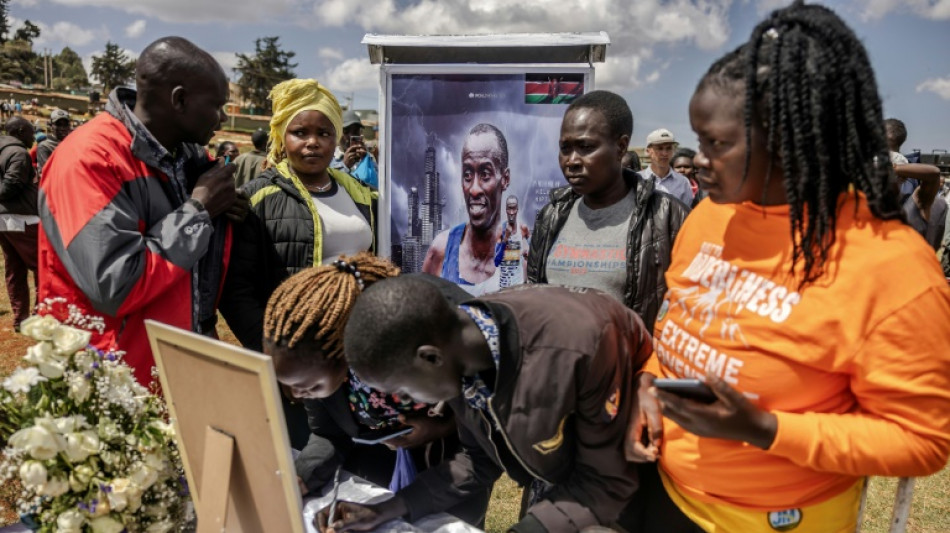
(652, 510)
(19, 257)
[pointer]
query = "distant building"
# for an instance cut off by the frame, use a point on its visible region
(412, 254)
(415, 222)
(431, 212)
(425, 216)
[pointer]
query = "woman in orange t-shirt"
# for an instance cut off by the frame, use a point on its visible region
(819, 320)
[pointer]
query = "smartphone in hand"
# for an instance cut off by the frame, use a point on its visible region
(381, 436)
(691, 389)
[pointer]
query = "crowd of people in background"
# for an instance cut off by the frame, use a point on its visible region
(786, 263)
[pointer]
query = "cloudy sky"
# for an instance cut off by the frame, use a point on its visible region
(658, 51)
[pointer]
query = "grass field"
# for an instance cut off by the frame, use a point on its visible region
(930, 513)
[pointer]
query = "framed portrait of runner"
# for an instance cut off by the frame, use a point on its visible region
(471, 146)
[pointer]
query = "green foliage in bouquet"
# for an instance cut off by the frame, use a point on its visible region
(90, 445)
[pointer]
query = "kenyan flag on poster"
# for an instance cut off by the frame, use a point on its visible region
(556, 88)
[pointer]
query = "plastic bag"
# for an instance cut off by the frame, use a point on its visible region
(366, 172)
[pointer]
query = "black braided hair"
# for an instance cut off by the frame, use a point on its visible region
(807, 81)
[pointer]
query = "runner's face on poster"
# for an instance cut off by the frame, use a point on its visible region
(589, 155)
(483, 179)
(511, 209)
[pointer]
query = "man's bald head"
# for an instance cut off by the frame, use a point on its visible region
(173, 61)
(181, 92)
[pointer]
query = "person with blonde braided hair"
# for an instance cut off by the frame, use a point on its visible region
(313, 304)
(303, 333)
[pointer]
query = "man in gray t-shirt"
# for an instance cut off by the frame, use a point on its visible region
(591, 249)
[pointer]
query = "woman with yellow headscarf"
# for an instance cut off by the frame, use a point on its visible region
(303, 213)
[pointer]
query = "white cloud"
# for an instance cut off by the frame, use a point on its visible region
(764, 7)
(330, 54)
(63, 34)
(136, 29)
(930, 9)
(634, 27)
(228, 60)
(192, 11)
(938, 86)
(24, 3)
(351, 75)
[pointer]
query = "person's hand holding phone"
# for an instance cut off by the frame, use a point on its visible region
(640, 447)
(354, 152)
(731, 416)
(425, 429)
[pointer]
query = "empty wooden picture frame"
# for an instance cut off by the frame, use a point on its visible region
(224, 400)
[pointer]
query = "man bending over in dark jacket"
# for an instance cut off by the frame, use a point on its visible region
(541, 379)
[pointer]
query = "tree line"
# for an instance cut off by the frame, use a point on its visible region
(256, 73)
(20, 62)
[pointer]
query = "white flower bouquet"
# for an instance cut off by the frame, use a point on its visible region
(91, 446)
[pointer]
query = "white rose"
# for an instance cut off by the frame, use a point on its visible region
(38, 353)
(70, 521)
(68, 340)
(135, 500)
(155, 461)
(69, 424)
(40, 328)
(119, 495)
(46, 422)
(38, 441)
(143, 476)
(106, 524)
(81, 445)
(79, 388)
(162, 526)
(52, 368)
(56, 486)
(79, 478)
(109, 430)
(33, 473)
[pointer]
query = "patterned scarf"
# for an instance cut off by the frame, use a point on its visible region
(474, 388)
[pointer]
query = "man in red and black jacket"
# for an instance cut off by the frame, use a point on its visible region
(129, 205)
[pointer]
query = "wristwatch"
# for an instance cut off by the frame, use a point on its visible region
(197, 203)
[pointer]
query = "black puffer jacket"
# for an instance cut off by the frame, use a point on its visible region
(18, 191)
(654, 224)
(275, 241)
